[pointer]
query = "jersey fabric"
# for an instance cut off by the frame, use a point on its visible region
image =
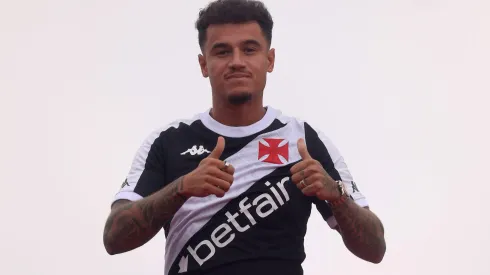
(259, 226)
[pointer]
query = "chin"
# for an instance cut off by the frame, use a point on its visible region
(239, 97)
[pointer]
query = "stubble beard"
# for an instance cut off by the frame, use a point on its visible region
(240, 98)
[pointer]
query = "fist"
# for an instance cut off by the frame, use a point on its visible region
(212, 177)
(310, 177)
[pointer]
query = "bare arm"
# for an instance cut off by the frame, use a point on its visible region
(361, 230)
(132, 224)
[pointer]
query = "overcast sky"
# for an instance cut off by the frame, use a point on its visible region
(401, 87)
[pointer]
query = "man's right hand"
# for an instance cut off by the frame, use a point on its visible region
(211, 177)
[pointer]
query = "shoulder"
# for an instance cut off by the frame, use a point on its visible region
(175, 126)
(309, 129)
(170, 130)
(316, 138)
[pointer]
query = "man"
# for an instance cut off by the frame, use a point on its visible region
(233, 187)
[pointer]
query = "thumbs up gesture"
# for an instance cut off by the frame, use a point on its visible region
(310, 177)
(212, 177)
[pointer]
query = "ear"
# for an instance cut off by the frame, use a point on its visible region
(271, 57)
(203, 65)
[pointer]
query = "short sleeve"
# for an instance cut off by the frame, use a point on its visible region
(323, 150)
(146, 174)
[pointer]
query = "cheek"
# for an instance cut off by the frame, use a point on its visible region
(261, 67)
(215, 71)
(215, 74)
(260, 71)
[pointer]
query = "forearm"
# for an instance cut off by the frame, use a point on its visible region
(134, 223)
(361, 230)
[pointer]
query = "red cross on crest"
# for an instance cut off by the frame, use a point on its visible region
(272, 150)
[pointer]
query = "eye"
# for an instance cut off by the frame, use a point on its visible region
(222, 52)
(249, 50)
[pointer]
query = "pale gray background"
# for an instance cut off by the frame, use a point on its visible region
(400, 86)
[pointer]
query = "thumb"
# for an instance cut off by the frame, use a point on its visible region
(303, 151)
(218, 150)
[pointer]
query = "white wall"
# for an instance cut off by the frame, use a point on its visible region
(400, 86)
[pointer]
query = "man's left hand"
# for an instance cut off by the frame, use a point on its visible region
(310, 177)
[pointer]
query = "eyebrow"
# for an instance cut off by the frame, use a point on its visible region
(219, 45)
(246, 42)
(252, 41)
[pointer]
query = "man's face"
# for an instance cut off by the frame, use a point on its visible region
(236, 58)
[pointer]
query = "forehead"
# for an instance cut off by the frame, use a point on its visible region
(234, 34)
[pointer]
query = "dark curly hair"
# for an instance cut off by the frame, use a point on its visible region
(235, 12)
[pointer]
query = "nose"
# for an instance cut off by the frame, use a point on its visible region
(237, 60)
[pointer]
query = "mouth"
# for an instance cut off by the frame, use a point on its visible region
(237, 75)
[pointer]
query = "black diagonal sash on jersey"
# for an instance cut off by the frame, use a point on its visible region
(250, 227)
(197, 212)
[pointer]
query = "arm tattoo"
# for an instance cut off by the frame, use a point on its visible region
(132, 224)
(361, 230)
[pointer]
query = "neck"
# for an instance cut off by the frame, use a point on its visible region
(242, 115)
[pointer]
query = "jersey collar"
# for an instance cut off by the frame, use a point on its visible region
(239, 131)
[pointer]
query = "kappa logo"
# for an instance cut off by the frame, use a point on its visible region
(354, 187)
(353, 191)
(274, 150)
(262, 206)
(125, 183)
(194, 151)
